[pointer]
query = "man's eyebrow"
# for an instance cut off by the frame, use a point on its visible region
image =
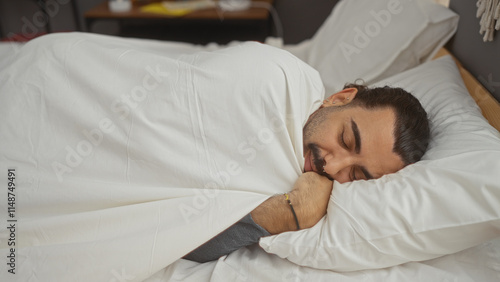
(366, 173)
(357, 147)
(357, 137)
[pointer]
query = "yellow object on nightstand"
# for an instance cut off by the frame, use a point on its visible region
(177, 9)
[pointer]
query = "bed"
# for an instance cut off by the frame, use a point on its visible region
(101, 191)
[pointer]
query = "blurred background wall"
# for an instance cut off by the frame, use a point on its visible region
(300, 18)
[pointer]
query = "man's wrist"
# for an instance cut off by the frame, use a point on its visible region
(275, 215)
(300, 209)
(289, 202)
(309, 197)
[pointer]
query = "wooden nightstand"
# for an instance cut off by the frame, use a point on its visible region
(201, 26)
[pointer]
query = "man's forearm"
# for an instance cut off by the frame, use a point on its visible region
(309, 198)
(275, 215)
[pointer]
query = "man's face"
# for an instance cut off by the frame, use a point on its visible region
(351, 143)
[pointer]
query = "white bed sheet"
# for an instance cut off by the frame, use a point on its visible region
(480, 263)
(7, 52)
(253, 264)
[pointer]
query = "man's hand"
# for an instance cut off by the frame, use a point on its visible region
(309, 197)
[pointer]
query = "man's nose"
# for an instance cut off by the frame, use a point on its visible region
(338, 166)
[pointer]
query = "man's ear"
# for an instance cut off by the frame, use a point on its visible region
(340, 98)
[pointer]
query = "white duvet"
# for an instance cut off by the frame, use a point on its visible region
(127, 157)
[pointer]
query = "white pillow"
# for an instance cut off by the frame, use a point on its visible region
(443, 204)
(375, 39)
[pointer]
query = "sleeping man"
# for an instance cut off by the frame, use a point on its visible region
(356, 134)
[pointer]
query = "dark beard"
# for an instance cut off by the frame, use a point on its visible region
(317, 160)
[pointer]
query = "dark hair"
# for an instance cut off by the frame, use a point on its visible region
(411, 131)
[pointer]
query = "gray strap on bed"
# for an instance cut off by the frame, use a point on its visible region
(243, 233)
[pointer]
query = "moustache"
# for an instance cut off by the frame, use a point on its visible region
(317, 160)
